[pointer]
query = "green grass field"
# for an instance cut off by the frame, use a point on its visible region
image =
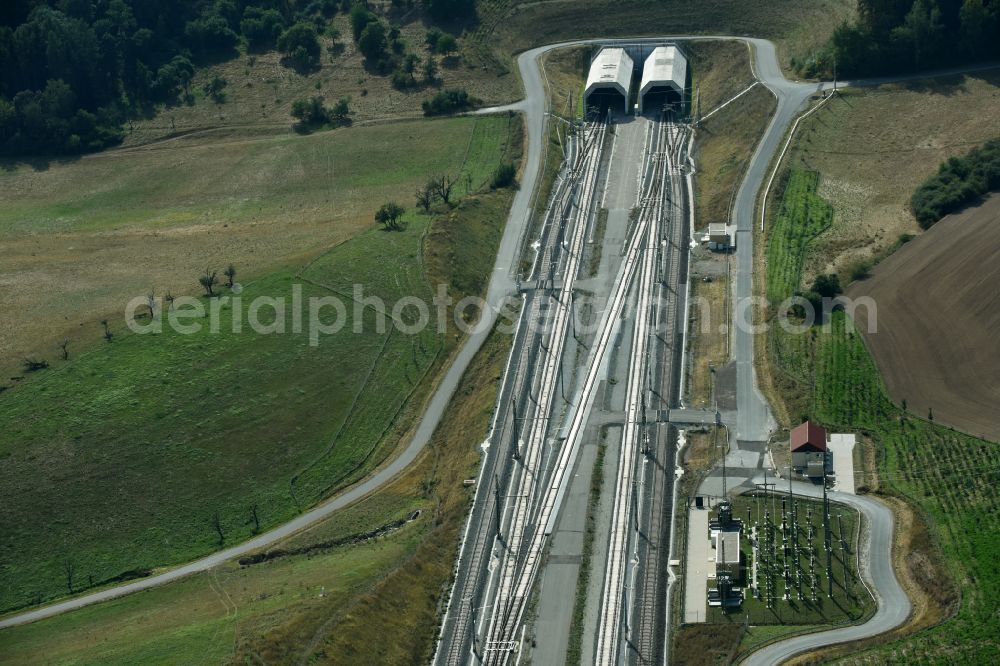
(94, 232)
(801, 217)
(951, 477)
(126, 452)
(298, 607)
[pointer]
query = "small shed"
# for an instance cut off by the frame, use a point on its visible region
(719, 237)
(808, 448)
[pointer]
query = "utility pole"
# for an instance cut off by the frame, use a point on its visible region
(697, 105)
(572, 315)
(562, 382)
(843, 553)
(635, 504)
(496, 491)
(826, 540)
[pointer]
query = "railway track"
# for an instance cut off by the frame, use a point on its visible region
(556, 486)
(614, 608)
(647, 639)
(508, 477)
(517, 554)
(526, 482)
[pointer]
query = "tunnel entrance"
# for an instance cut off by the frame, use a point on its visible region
(656, 98)
(603, 100)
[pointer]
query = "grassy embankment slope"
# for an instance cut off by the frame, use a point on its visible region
(92, 233)
(325, 604)
(723, 146)
(871, 149)
(725, 142)
(127, 451)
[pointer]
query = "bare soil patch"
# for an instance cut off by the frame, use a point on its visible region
(937, 316)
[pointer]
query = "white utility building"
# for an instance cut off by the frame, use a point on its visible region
(610, 79)
(664, 76)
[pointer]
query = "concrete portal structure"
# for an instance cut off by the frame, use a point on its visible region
(609, 83)
(664, 77)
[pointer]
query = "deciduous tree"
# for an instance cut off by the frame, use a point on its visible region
(208, 281)
(390, 216)
(442, 186)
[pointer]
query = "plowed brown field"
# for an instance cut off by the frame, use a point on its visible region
(938, 322)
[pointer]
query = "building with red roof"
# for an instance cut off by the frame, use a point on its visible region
(808, 447)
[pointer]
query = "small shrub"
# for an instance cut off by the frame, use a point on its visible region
(401, 80)
(311, 113)
(504, 176)
(34, 365)
(216, 89)
(432, 37)
(827, 286)
(449, 101)
(446, 45)
(860, 269)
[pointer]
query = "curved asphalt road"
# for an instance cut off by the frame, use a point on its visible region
(754, 418)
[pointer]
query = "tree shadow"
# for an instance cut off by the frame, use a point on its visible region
(946, 86)
(456, 24)
(309, 128)
(301, 68)
(36, 162)
(215, 56)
